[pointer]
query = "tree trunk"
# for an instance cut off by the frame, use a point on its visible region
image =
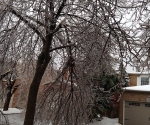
(9, 94)
(42, 62)
(7, 101)
(32, 97)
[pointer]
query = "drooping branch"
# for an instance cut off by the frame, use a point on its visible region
(15, 88)
(5, 74)
(33, 19)
(32, 26)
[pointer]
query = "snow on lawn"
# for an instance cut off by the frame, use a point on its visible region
(106, 121)
(16, 117)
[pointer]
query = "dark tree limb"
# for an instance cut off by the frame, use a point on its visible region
(61, 47)
(60, 9)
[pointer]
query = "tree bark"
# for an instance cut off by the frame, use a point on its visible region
(7, 101)
(9, 94)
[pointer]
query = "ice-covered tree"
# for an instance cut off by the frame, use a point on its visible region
(64, 34)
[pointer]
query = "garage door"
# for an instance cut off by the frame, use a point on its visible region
(137, 113)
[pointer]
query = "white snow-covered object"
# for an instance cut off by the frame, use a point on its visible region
(12, 111)
(144, 88)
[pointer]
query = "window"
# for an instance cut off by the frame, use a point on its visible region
(147, 105)
(144, 80)
(134, 103)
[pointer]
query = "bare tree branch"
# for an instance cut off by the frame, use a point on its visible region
(27, 22)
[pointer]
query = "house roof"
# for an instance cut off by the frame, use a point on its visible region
(144, 88)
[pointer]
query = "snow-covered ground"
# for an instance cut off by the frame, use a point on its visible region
(16, 117)
(12, 111)
(106, 121)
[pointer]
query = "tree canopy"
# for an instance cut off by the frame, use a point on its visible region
(81, 37)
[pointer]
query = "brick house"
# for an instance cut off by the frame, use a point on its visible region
(16, 97)
(19, 98)
(135, 101)
(138, 78)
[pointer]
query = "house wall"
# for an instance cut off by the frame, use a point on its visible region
(133, 79)
(20, 97)
(14, 99)
(131, 96)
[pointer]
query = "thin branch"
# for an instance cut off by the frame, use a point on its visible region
(32, 26)
(76, 16)
(33, 19)
(15, 88)
(61, 47)
(61, 25)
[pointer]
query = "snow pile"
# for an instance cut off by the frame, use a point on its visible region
(14, 115)
(16, 119)
(12, 111)
(106, 121)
